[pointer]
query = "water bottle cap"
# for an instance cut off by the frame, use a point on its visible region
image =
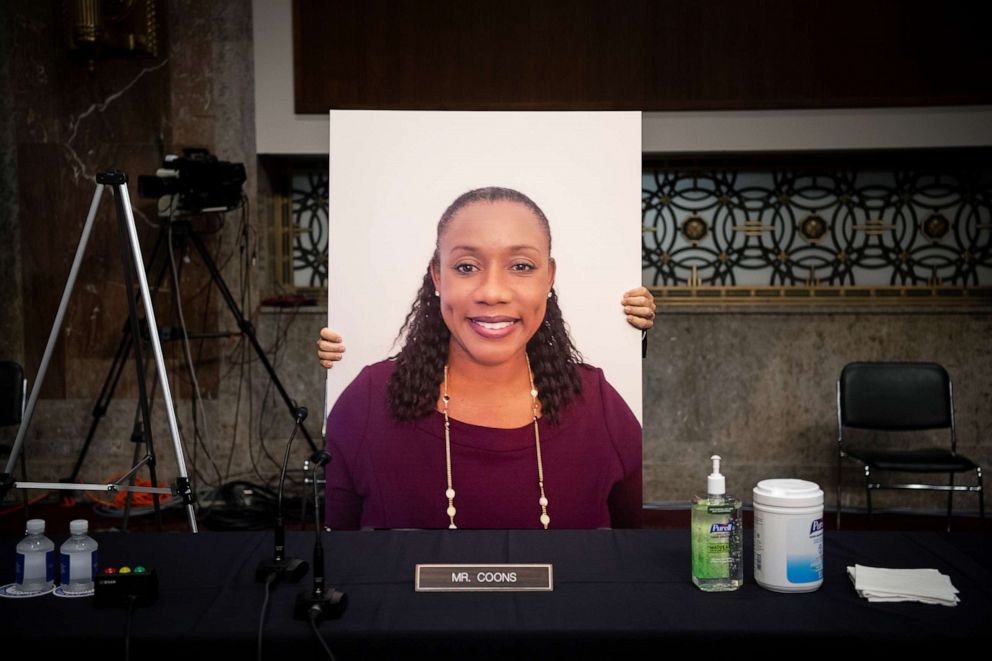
(79, 526)
(36, 526)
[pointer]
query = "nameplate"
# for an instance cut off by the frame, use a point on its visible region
(484, 578)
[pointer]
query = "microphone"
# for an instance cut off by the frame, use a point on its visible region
(320, 458)
(292, 569)
(319, 602)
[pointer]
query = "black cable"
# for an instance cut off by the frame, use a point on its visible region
(131, 600)
(241, 382)
(251, 415)
(207, 288)
(244, 272)
(238, 512)
(198, 440)
(316, 507)
(206, 303)
(220, 225)
(320, 639)
(265, 607)
(281, 339)
(237, 418)
(247, 247)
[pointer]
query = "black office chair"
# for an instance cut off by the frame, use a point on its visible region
(901, 397)
(13, 398)
(13, 391)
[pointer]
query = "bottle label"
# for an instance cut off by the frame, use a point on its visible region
(711, 537)
(804, 541)
(710, 554)
(29, 568)
(78, 566)
(759, 542)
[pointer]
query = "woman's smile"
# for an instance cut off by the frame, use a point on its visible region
(493, 328)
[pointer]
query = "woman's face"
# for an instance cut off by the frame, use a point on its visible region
(494, 276)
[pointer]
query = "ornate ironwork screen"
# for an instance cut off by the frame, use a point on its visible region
(806, 229)
(309, 229)
(786, 231)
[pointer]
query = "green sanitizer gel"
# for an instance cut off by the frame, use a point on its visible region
(717, 541)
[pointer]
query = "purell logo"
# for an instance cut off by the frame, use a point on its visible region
(816, 527)
(722, 527)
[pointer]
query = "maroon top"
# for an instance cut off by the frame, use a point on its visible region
(389, 474)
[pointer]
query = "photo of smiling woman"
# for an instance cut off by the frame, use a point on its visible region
(487, 417)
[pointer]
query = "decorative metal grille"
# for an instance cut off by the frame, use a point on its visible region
(806, 229)
(309, 229)
(792, 229)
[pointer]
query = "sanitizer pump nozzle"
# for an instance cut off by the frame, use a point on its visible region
(716, 484)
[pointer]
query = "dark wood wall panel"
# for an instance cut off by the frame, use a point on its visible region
(639, 54)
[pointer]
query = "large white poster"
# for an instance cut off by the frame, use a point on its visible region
(392, 175)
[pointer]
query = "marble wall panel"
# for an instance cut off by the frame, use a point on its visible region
(45, 259)
(192, 121)
(32, 58)
(759, 389)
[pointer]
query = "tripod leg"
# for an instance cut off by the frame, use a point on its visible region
(119, 180)
(131, 262)
(129, 497)
(114, 373)
(245, 326)
(56, 329)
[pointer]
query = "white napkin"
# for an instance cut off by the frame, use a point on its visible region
(927, 586)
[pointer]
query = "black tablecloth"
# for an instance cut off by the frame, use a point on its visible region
(615, 591)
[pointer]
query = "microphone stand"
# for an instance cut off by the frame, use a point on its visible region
(292, 569)
(320, 602)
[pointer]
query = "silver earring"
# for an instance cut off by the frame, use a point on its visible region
(437, 293)
(549, 294)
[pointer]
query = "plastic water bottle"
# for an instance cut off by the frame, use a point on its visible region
(35, 559)
(79, 561)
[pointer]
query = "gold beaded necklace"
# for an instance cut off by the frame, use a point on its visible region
(450, 492)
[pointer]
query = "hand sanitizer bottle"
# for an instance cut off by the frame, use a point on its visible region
(717, 548)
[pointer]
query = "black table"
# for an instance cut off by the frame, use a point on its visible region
(615, 592)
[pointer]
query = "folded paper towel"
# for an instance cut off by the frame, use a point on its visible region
(927, 586)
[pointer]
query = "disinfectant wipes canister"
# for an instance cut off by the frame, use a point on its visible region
(788, 535)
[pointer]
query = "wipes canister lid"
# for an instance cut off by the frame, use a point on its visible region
(788, 492)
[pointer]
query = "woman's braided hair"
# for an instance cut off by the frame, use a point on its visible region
(414, 386)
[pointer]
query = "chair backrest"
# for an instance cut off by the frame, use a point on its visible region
(11, 393)
(895, 396)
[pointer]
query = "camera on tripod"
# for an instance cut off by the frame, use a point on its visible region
(195, 182)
